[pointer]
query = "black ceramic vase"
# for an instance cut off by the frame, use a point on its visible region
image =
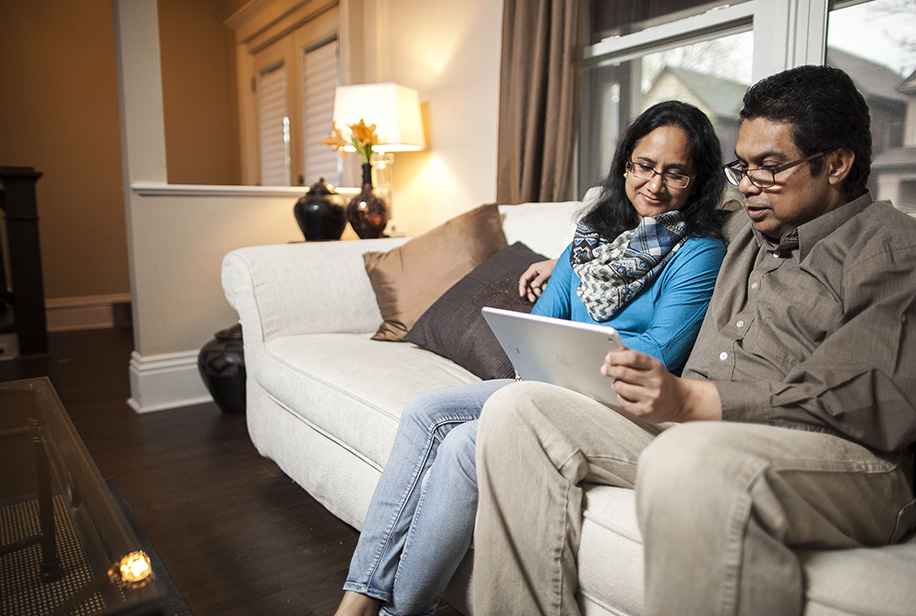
(320, 213)
(221, 363)
(367, 212)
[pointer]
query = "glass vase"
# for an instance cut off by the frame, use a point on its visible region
(368, 212)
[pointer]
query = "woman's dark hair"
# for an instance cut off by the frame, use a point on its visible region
(613, 213)
(826, 112)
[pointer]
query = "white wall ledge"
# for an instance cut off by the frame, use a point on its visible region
(157, 189)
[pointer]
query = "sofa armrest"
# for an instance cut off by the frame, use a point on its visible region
(289, 289)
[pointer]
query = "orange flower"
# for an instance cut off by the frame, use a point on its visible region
(336, 140)
(364, 134)
(362, 138)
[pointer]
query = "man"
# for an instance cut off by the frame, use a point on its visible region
(792, 422)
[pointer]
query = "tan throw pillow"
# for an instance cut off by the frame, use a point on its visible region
(410, 278)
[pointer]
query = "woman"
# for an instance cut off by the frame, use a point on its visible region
(644, 260)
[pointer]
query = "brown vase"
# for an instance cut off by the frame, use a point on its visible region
(367, 212)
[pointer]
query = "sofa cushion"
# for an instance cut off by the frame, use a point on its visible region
(454, 327)
(350, 388)
(610, 584)
(546, 228)
(849, 581)
(861, 580)
(408, 279)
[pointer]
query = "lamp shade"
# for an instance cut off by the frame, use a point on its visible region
(394, 109)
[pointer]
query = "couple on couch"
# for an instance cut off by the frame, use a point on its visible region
(789, 425)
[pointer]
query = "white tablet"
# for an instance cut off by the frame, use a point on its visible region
(565, 353)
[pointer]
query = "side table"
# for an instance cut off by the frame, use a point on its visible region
(116, 576)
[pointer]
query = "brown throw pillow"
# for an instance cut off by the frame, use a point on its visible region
(408, 279)
(454, 327)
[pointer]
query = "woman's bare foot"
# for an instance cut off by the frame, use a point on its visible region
(355, 604)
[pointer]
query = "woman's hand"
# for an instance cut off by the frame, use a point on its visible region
(646, 389)
(532, 282)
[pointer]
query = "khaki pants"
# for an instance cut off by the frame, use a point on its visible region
(719, 504)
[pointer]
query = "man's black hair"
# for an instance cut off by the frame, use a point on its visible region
(826, 112)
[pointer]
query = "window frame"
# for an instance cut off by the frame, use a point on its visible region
(787, 33)
(802, 42)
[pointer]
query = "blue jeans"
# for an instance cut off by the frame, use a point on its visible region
(421, 517)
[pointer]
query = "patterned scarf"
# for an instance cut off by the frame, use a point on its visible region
(611, 274)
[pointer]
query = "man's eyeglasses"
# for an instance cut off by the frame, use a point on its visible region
(672, 179)
(762, 177)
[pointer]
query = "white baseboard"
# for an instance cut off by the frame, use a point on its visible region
(77, 313)
(166, 381)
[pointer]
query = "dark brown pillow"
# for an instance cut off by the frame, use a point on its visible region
(454, 327)
(408, 279)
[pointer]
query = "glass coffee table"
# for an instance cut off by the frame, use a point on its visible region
(65, 544)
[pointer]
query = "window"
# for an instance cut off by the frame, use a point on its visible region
(616, 18)
(874, 43)
(290, 59)
(700, 57)
(273, 125)
(705, 53)
(319, 79)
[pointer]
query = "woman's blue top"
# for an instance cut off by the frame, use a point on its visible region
(665, 318)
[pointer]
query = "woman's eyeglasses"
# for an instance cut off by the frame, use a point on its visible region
(671, 179)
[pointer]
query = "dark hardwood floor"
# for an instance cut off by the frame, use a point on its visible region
(237, 535)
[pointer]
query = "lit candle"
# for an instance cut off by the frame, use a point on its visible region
(135, 570)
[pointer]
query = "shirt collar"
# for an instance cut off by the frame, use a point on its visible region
(805, 237)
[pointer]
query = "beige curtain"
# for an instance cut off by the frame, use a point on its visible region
(540, 79)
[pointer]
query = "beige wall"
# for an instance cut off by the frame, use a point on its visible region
(449, 52)
(177, 253)
(199, 92)
(59, 114)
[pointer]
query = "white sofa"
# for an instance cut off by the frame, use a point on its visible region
(324, 401)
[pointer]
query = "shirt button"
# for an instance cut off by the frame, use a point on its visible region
(740, 323)
(754, 285)
(723, 356)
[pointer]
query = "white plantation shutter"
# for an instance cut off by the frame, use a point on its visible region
(319, 78)
(274, 126)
